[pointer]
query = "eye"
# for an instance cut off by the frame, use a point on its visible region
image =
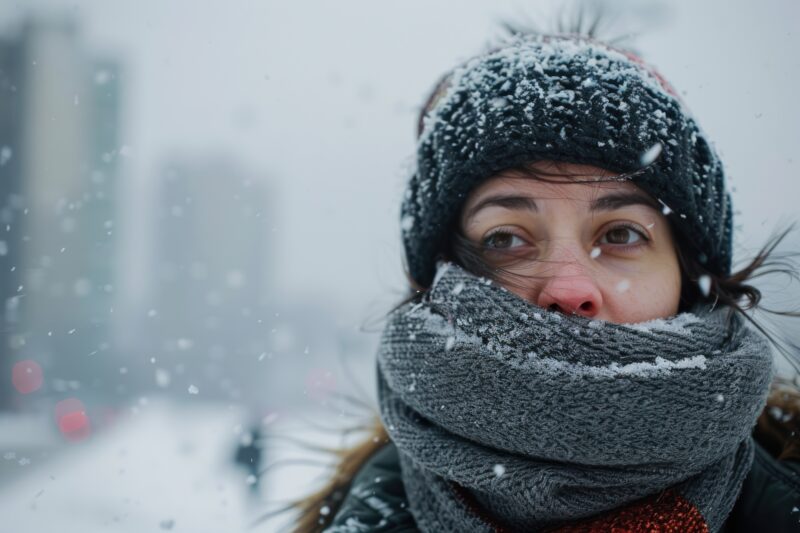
(502, 240)
(622, 235)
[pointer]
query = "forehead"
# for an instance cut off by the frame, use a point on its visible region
(564, 181)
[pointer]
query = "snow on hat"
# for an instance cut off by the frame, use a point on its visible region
(569, 99)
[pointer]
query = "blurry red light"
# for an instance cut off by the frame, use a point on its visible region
(26, 376)
(72, 420)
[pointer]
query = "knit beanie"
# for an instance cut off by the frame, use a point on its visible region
(568, 99)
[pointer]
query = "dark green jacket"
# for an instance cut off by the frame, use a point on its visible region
(769, 501)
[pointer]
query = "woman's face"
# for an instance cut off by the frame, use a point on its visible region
(601, 250)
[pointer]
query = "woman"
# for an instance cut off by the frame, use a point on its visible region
(575, 356)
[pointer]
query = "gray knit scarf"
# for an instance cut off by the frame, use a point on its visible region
(502, 409)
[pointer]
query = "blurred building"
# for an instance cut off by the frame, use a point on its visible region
(11, 204)
(216, 320)
(59, 151)
(221, 326)
(211, 272)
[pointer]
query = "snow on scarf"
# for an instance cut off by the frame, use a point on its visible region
(511, 417)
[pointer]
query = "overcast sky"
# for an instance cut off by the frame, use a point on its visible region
(320, 98)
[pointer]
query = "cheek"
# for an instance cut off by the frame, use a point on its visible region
(646, 298)
(523, 290)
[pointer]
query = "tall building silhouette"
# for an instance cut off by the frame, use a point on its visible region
(59, 145)
(211, 269)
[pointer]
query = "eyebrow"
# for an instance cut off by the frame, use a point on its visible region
(619, 200)
(609, 202)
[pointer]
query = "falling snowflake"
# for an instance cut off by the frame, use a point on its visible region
(5, 155)
(101, 77)
(163, 378)
(623, 285)
(449, 343)
(650, 155)
(704, 282)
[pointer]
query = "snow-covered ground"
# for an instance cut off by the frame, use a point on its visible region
(169, 467)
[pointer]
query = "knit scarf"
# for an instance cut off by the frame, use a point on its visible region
(509, 417)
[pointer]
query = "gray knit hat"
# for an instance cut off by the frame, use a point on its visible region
(569, 99)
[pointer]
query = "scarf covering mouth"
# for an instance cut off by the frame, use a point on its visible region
(511, 417)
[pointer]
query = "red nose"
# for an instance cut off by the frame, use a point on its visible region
(571, 293)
